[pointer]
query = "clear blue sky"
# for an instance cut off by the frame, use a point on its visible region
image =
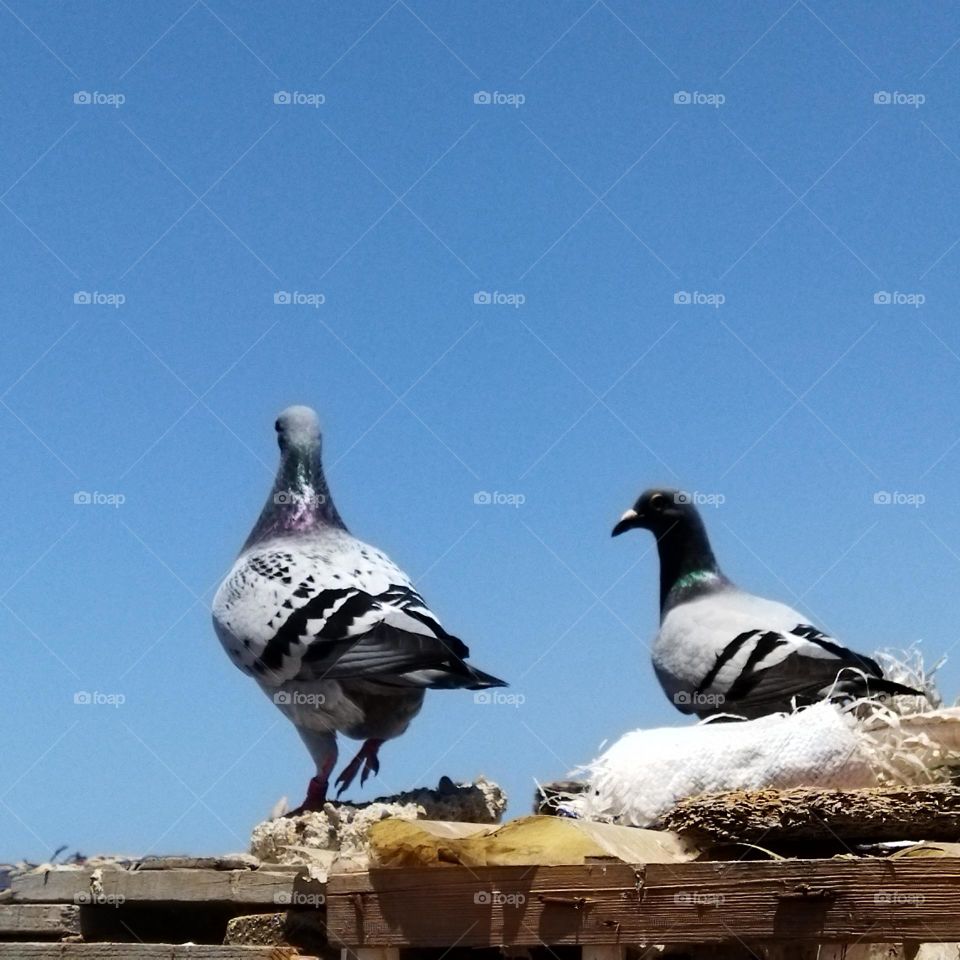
(591, 206)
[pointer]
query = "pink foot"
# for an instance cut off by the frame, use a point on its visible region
(367, 758)
(316, 797)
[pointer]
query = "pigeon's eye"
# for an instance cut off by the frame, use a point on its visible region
(657, 500)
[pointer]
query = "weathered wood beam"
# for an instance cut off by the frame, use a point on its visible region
(818, 901)
(142, 951)
(38, 920)
(278, 889)
(890, 813)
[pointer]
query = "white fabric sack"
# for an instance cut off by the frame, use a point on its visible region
(645, 773)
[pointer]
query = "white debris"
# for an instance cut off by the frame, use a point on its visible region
(340, 829)
(647, 772)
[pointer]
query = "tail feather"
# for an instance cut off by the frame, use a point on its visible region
(453, 676)
(460, 675)
(482, 681)
(864, 685)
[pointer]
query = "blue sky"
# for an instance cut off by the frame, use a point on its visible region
(683, 216)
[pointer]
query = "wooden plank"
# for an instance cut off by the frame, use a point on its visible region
(238, 861)
(38, 920)
(879, 813)
(111, 887)
(602, 951)
(142, 951)
(488, 906)
(825, 901)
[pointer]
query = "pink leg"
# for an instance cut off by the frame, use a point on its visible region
(316, 791)
(367, 757)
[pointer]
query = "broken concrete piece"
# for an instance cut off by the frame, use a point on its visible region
(312, 839)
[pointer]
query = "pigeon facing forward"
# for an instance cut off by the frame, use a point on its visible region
(329, 627)
(720, 649)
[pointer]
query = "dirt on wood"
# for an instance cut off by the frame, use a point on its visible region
(868, 815)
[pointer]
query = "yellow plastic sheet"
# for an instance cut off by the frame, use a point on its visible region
(543, 841)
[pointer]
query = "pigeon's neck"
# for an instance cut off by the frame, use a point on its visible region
(687, 564)
(300, 500)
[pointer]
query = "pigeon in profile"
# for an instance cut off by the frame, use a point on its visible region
(721, 650)
(328, 626)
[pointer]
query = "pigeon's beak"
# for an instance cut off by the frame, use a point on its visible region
(628, 521)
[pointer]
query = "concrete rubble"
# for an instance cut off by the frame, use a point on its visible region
(340, 830)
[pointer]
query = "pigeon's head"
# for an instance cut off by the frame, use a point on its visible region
(298, 428)
(657, 510)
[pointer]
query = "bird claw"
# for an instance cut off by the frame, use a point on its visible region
(367, 758)
(349, 773)
(371, 767)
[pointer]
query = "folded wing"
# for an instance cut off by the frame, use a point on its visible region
(339, 614)
(756, 656)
